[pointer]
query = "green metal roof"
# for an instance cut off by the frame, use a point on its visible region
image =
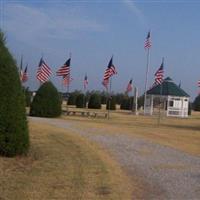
(169, 88)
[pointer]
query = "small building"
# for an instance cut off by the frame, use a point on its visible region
(174, 100)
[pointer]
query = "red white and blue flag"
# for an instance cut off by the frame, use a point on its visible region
(147, 43)
(65, 69)
(21, 69)
(44, 71)
(85, 82)
(25, 75)
(110, 71)
(67, 80)
(159, 75)
(198, 83)
(129, 87)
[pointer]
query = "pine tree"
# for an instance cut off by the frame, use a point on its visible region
(81, 101)
(47, 102)
(95, 101)
(14, 137)
(196, 103)
(111, 103)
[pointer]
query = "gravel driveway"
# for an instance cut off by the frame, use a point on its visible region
(165, 172)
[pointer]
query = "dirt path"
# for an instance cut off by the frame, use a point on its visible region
(165, 172)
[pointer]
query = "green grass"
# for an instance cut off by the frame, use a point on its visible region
(61, 166)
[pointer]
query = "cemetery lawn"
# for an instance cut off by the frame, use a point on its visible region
(60, 165)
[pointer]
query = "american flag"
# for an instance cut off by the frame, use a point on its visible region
(25, 75)
(43, 72)
(67, 80)
(65, 69)
(110, 71)
(159, 75)
(21, 69)
(129, 86)
(147, 43)
(85, 82)
(198, 83)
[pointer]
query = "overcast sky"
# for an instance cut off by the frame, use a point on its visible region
(94, 30)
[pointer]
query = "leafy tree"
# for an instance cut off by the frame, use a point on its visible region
(95, 101)
(81, 101)
(196, 103)
(47, 102)
(111, 103)
(14, 137)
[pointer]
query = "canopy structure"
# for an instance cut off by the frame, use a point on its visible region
(174, 100)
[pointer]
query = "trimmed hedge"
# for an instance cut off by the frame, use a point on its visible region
(14, 137)
(47, 102)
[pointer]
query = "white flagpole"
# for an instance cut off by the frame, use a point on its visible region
(146, 80)
(70, 54)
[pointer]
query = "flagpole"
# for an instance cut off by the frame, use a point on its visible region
(161, 89)
(70, 54)
(146, 80)
(109, 98)
(135, 100)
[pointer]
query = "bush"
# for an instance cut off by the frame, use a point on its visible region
(81, 101)
(196, 103)
(27, 96)
(95, 101)
(189, 108)
(112, 102)
(47, 102)
(72, 98)
(127, 103)
(14, 137)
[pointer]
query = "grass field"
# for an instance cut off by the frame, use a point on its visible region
(61, 166)
(178, 133)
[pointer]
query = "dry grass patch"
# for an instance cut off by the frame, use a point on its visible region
(181, 134)
(61, 166)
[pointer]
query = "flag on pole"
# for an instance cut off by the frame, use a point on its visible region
(110, 71)
(67, 80)
(198, 83)
(21, 69)
(159, 75)
(43, 72)
(85, 82)
(129, 86)
(25, 75)
(147, 43)
(65, 69)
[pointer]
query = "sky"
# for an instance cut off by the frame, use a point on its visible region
(94, 30)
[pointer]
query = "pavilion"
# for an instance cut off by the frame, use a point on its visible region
(173, 99)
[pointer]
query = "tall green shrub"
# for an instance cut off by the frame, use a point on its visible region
(72, 97)
(47, 102)
(14, 137)
(95, 101)
(81, 101)
(111, 103)
(125, 104)
(196, 103)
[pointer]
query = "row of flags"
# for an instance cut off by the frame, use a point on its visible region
(44, 71)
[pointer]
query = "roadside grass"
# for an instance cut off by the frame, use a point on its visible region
(179, 133)
(61, 166)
